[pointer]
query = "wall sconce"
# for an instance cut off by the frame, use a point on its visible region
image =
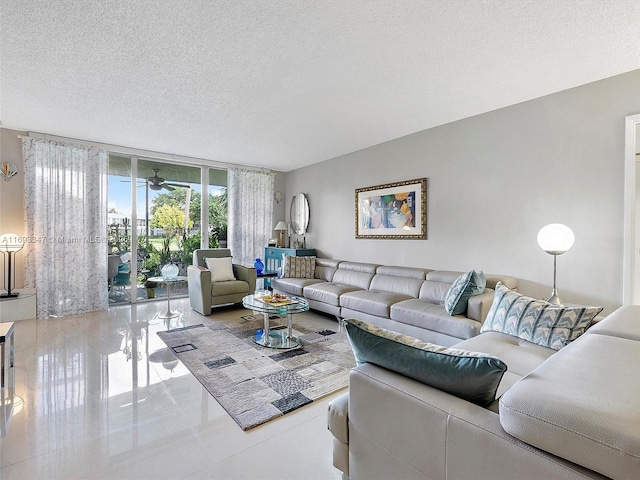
(281, 227)
(277, 197)
(10, 244)
(8, 170)
(555, 239)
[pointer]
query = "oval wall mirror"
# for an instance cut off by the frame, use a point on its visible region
(299, 214)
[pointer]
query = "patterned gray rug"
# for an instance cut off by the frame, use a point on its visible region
(255, 384)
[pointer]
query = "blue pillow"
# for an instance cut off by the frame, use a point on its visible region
(469, 375)
(464, 287)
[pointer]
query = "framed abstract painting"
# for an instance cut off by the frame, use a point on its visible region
(394, 210)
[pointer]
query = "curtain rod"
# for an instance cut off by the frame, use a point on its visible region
(144, 153)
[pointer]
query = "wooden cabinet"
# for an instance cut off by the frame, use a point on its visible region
(273, 256)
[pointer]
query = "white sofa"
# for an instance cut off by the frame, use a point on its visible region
(570, 414)
(403, 299)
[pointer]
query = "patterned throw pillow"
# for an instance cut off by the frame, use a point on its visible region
(536, 321)
(465, 286)
(470, 375)
(298, 267)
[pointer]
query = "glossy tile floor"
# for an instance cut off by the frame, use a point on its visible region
(99, 405)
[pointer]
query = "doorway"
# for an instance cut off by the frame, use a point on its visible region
(154, 218)
(631, 266)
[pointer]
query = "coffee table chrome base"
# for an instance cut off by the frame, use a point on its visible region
(279, 338)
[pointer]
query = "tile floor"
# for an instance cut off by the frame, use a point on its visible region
(99, 405)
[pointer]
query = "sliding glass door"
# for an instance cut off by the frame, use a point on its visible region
(166, 208)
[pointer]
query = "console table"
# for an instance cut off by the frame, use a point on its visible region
(273, 255)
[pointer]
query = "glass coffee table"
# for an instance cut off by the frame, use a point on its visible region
(277, 338)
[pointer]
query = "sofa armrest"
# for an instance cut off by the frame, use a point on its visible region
(479, 305)
(199, 289)
(437, 436)
(338, 424)
(246, 274)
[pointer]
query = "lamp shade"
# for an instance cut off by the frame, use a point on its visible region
(281, 226)
(555, 238)
(10, 242)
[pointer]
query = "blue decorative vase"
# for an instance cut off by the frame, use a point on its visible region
(170, 271)
(259, 266)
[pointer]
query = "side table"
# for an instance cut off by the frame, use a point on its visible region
(168, 282)
(266, 275)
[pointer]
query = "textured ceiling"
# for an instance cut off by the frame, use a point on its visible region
(284, 83)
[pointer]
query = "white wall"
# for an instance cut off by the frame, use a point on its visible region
(493, 181)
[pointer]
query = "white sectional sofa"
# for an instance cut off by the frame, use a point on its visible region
(403, 299)
(567, 414)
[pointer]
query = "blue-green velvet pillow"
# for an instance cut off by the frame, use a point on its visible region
(464, 287)
(472, 376)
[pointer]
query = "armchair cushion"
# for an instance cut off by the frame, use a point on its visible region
(221, 269)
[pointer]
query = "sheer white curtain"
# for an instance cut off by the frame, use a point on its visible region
(250, 213)
(66, 205)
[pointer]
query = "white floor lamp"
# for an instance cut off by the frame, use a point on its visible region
(555, 239)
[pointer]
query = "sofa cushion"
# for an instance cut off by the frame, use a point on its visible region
(392, 283)
(298, 267)
(536, 321)
(437, 284)
(355, 278)
(464, 287)
(522, 357)
(293, 286)
(371, 302)
(409, 272)
(326, 268)
(327, 292)
(221, 269)
(469, 375)
(434, 317)
(582, 404)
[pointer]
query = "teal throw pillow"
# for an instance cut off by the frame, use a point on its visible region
(536, 321)
(464, 287)
(472, 376)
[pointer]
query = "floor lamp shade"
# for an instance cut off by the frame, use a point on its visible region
(555, 239)
(10, 244)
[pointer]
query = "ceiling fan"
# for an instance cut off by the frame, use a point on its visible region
(158, 183)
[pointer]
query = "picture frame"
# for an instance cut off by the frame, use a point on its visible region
(273, 242)
(394, 210)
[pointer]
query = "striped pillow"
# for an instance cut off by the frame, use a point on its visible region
(298, 267)
(536, 321)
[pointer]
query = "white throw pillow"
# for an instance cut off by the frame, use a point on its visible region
(221, 269)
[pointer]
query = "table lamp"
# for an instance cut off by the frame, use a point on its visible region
(555, 239)
(281, 227)
(10, 244)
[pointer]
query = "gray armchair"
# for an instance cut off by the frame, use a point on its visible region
(205, 294)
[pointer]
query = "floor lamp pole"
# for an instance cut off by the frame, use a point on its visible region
(554, 298)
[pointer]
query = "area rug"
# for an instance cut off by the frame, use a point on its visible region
(255, 384)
